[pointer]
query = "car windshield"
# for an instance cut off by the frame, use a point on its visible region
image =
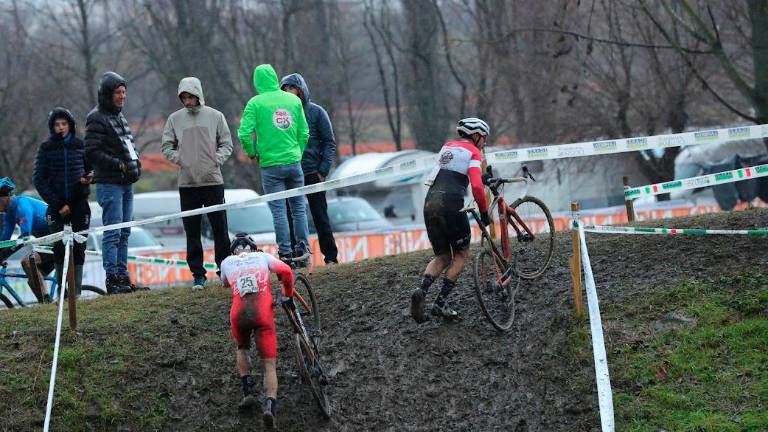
(350, 211)
(251, 220)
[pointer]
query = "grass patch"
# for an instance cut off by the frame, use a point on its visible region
(106, 369)
(707, 371)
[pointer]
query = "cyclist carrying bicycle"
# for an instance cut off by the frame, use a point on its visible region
(29, 214)
(447, 227)
(247, 271)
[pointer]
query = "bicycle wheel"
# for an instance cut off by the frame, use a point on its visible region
(533, 255)
(94, 289)
(496, 301)
(306, 306)
(308, 360)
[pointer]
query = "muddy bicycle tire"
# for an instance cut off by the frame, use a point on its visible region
(496, 302)
(311, 318)
(533, 257)
(94, 289)
(308, 360)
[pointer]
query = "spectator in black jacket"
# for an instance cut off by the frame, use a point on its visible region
(62, 177)
(110, 149)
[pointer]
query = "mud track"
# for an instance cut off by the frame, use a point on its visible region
(390, 374)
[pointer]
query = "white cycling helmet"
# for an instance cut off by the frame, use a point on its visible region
(472, 125)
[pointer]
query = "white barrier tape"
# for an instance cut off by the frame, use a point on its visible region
(604, 392)
(140, 259)
(697, 182)
(604, 147)
(422, 165)
(57, 343)
(410, 167)
(671, 231)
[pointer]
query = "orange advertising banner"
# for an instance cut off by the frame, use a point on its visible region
(361, 246)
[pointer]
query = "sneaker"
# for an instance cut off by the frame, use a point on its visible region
(417, 305)
(199, 283)
(444, 310)
(331, 261)
(114, 286)
(125, 281)
(301, 255)
(269, 414)
(286, 258)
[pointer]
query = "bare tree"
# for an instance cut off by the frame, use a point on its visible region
(703, 23)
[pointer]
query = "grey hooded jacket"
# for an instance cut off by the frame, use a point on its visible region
(197, 140)
(321, 148)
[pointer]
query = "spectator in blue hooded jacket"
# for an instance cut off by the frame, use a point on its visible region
(62, 177)
(316, 161)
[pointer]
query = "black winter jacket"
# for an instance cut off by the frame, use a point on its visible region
(108, 139)
(59, 165)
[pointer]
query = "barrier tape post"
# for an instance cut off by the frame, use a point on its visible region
(575, 263)
(628, 201)
(604, 392)
(64, 281)
(71, 295)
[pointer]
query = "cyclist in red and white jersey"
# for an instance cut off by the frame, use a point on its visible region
(447, 227)
(247, 271)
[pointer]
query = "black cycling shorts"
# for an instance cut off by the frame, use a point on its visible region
(447, 226)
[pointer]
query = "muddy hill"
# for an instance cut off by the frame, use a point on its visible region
(164, 360)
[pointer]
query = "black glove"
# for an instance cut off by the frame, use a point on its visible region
(485, 218)
(485, 178)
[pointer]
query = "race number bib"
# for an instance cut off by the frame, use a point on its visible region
(128, 142)
(247, 284)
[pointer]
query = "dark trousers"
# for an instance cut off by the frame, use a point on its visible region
(80, 218)
(319, 209)
(194, 198)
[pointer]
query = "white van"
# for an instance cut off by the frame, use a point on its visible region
(171, 232)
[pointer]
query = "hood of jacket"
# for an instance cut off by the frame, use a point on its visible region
(110, 81)
(265, 79)
(194, 87)
(295, 79)
(61, 112)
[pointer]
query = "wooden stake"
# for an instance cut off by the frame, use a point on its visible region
(629, 203)
(71, 294)
(575, 263)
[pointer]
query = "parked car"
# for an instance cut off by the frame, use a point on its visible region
(141, 242)
(171, 232)
(353, 214)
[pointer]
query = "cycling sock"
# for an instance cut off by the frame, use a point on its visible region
(447, 287)
(427, 282)
(444, 291)
(272, 403)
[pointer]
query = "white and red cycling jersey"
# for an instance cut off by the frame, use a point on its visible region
(248, 275)
(459, 166)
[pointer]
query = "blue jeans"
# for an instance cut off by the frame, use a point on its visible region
(279, 178)
(116, 203)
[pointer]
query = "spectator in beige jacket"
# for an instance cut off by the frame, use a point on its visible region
(197, 139)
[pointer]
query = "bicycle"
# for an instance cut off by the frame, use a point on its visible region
(495, 270)
(305, 325)
(4, 285)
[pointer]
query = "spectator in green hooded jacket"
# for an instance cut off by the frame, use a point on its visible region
(277, 119)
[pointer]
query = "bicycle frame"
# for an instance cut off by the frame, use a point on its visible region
(5, 285)
(509, 216)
